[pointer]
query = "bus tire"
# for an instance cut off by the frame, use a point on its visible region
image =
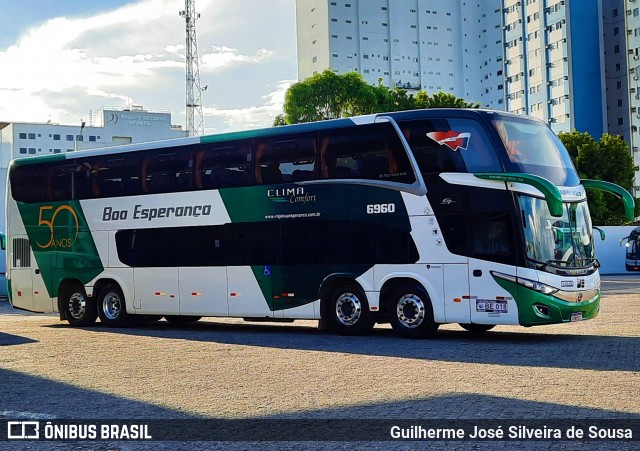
(348, 310)
(79, 309)
(411, 313)
(477, 328)
(112, 308)
(182, 319)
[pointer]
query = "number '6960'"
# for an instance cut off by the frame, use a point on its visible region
(375, 209)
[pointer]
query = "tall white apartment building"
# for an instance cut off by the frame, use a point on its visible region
(553, 62)
(435, 45)
(616, 73)
(629, 82)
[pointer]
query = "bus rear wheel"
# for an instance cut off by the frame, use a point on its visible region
(348, 311)
(78, 308)
(111, 307)
(411, 313)
(477, 328)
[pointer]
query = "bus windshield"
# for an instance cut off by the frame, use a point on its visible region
(532, 148)
(557, 242)
(633, 244)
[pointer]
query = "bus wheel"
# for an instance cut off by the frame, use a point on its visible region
(348, 311)
(111, 307)
(411, 313)
(477, 328)
(79, 309)
(178, 319)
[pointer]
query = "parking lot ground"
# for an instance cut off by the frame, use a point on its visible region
(227, 368)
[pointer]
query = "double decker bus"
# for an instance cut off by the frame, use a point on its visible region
(415, 218)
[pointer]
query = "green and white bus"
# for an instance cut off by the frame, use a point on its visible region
(416, 218)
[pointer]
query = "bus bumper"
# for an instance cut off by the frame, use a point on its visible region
(536, 308)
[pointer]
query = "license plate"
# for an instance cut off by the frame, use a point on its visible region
(576, 316)
(491, 306)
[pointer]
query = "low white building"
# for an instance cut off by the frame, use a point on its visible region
(106, 127)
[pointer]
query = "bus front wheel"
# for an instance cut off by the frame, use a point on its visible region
(78, 308)
(411, 313)
(348, 311)
(111, 307)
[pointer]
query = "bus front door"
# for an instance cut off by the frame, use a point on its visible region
(490, 304)
(456, 293)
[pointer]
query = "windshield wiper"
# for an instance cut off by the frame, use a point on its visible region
(550, 263)
(561, 267)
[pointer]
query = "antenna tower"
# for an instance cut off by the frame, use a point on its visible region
(195, 118)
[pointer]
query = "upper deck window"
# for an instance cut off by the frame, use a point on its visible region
(372, 152)
(450, 145)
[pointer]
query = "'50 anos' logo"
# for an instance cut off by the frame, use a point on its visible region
(67, 229)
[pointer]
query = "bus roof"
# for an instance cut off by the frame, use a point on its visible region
(271, 131)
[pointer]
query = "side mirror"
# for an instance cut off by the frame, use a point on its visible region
(602, 234)
(3, 241)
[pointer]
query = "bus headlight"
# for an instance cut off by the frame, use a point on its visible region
(531, 284)
(539, 287)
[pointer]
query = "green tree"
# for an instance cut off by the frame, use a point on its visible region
(279, 120)
(442, 100)
(328, 96)
(331, 96)
(608, 159)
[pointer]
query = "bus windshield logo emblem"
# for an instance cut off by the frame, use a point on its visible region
(451, 139)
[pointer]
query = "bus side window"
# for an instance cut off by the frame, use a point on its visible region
(287, 160)
(225, 166)
(466, 149)
(60, 181)
(29, 183)
(266, 169)
(167, 170)
(115, 175)
(372, 151)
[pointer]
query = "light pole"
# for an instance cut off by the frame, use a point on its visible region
(82, 124)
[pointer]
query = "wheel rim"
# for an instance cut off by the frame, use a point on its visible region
(410, 311)
(77, 305)
(112, 306)
(348, 309)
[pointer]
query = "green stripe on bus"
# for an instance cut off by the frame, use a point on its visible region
(61, 242)
(41, 159)
(559, 311)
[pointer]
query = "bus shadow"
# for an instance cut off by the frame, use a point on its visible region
(34, 397)
(30, 396)
(594, 352)
(460, 406)
(31, 399)
(12, 340)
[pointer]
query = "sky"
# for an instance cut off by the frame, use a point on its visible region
(60, 59)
